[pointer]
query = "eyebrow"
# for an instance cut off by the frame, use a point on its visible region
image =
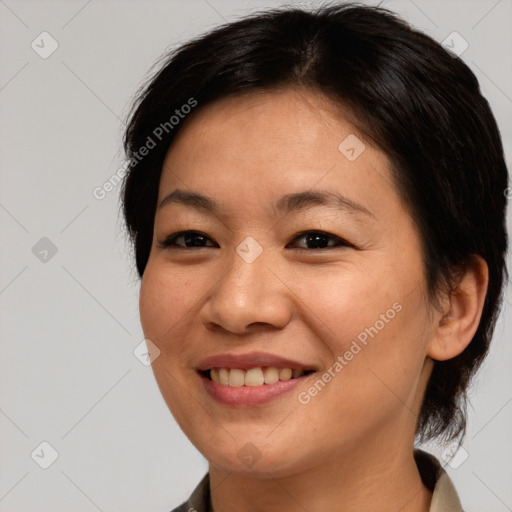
(296, 201)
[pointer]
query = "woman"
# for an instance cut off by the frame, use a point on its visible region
(317, 204)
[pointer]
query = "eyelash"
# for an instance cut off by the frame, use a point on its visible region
(169, 241)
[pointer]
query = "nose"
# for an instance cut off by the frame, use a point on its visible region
(249, 297)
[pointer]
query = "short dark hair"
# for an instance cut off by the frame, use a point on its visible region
(409, 96)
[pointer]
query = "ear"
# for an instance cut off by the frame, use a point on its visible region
(462, 310)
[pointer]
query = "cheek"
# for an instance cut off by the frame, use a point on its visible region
(166, 303)
(167, 299)
(375, 320)
(344, 304)
(382, 355)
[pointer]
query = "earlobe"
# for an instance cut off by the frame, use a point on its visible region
(459, 321)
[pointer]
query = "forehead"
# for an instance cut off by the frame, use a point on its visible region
(274, 115)
(258, 146)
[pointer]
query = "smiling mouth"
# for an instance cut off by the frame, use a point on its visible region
(252, 377)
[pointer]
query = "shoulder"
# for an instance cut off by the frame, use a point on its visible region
(444, 495)
(199, 500)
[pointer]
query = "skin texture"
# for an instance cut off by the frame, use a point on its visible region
(351, 447)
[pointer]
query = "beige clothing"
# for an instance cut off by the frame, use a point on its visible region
(444, 498)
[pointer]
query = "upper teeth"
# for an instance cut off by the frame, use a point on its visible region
(252, 377)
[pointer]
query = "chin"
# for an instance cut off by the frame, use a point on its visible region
(249, 463)
(255, 456)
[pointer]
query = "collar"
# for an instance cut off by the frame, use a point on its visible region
(444, 495)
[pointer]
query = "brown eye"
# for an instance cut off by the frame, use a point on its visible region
(186, 240)
(321, 240)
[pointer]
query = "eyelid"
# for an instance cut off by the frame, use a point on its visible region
(341, 241)
(168, 242)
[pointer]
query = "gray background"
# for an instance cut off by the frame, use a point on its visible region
(69, 321)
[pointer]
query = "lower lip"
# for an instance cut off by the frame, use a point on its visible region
(249, 395)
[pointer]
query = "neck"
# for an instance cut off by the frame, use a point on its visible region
(377, 476)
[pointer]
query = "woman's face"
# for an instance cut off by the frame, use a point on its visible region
(255, 291)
